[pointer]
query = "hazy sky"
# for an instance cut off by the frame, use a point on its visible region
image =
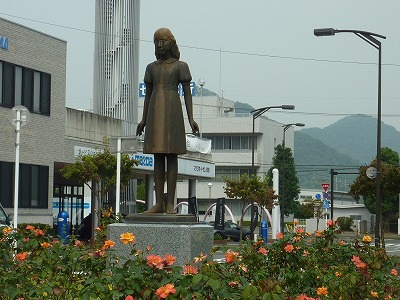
(261, 52)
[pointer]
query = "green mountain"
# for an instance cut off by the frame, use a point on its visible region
(314, 159)
(356, 136)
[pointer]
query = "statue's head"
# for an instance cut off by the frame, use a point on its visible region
(166, 34)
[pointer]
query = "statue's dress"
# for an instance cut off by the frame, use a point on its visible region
(165, 128)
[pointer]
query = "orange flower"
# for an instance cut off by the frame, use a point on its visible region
(30, 227)
(342, 242)
(108, 244)
(289, 248)
(374, 294)
(279, 235)
(367, 239)
(394, 272)
(129, 297)
(200, 258)
(263, 251)
(22, 256)
(78, 243)
(306, 253)
(330, 223)
(318, 233)
(7, 230)
(165, 290)
(295, 223)
(127, 237)
(148, 248)
(338, 274)
(189, 270)
(322, 290)
(358, 263)
(45, 245)
(230, 256)
(299, 230)
(169, 260)
(155, 261)
(303, 297)
(38, 232)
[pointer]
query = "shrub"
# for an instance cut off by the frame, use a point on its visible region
(298, 265)
(345, 223)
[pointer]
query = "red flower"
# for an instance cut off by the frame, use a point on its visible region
(129, 297)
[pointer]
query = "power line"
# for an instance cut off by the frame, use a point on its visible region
(212, 49)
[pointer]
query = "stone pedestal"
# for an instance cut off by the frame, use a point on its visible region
(183, 240)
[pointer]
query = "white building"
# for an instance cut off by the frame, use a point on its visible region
(116, 54)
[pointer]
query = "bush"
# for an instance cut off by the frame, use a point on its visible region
(345, 223)
(298, 265)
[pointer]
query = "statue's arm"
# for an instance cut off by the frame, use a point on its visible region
(189, 106)
(142, 123)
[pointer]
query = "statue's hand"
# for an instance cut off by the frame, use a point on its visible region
(140, 128)
(195, 127)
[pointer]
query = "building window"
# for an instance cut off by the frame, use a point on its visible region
(233, 142)
(24, 86)
(222, 173)
(33, 185)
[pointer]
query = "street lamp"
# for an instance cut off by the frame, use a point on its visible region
(19, 117)
(369, 37)
(256, 113)
(202, 82)
(282, 206)
(209, 194)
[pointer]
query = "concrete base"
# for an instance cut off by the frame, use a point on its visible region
(184, 241)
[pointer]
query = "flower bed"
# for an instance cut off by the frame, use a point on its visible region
(298, 265)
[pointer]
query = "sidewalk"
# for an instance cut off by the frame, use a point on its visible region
(353, 235)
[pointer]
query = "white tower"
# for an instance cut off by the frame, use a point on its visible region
(116, 61)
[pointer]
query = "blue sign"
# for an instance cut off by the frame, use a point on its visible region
(326, 204)
(4, 42)
(318, 196)
(142, 89)
(144, 160)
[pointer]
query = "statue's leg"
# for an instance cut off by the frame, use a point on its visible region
(172, 176)
(159, 179)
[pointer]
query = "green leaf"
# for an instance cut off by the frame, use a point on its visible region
(197, 278)
(214, 284)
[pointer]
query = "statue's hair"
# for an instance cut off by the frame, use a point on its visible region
(163, 33)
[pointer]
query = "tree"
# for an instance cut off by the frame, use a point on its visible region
(99, 169)
(390, 185)
(250, 190)
(289, 188)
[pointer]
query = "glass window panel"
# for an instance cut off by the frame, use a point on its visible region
(1, 83)
(18, 85)
(219, 142)
(251, 142)
(27, 88)
(35, 186)
(236, 142)
(36, 91)
(244, 142)
(45, 93)
(227, 142)
(8, 85)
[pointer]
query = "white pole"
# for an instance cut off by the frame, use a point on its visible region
(276, 209)
(16, 172)
(118, 184)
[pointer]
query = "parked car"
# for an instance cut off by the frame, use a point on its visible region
(5, 220)
(232, 231)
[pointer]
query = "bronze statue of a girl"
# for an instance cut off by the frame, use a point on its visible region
(163, 116)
